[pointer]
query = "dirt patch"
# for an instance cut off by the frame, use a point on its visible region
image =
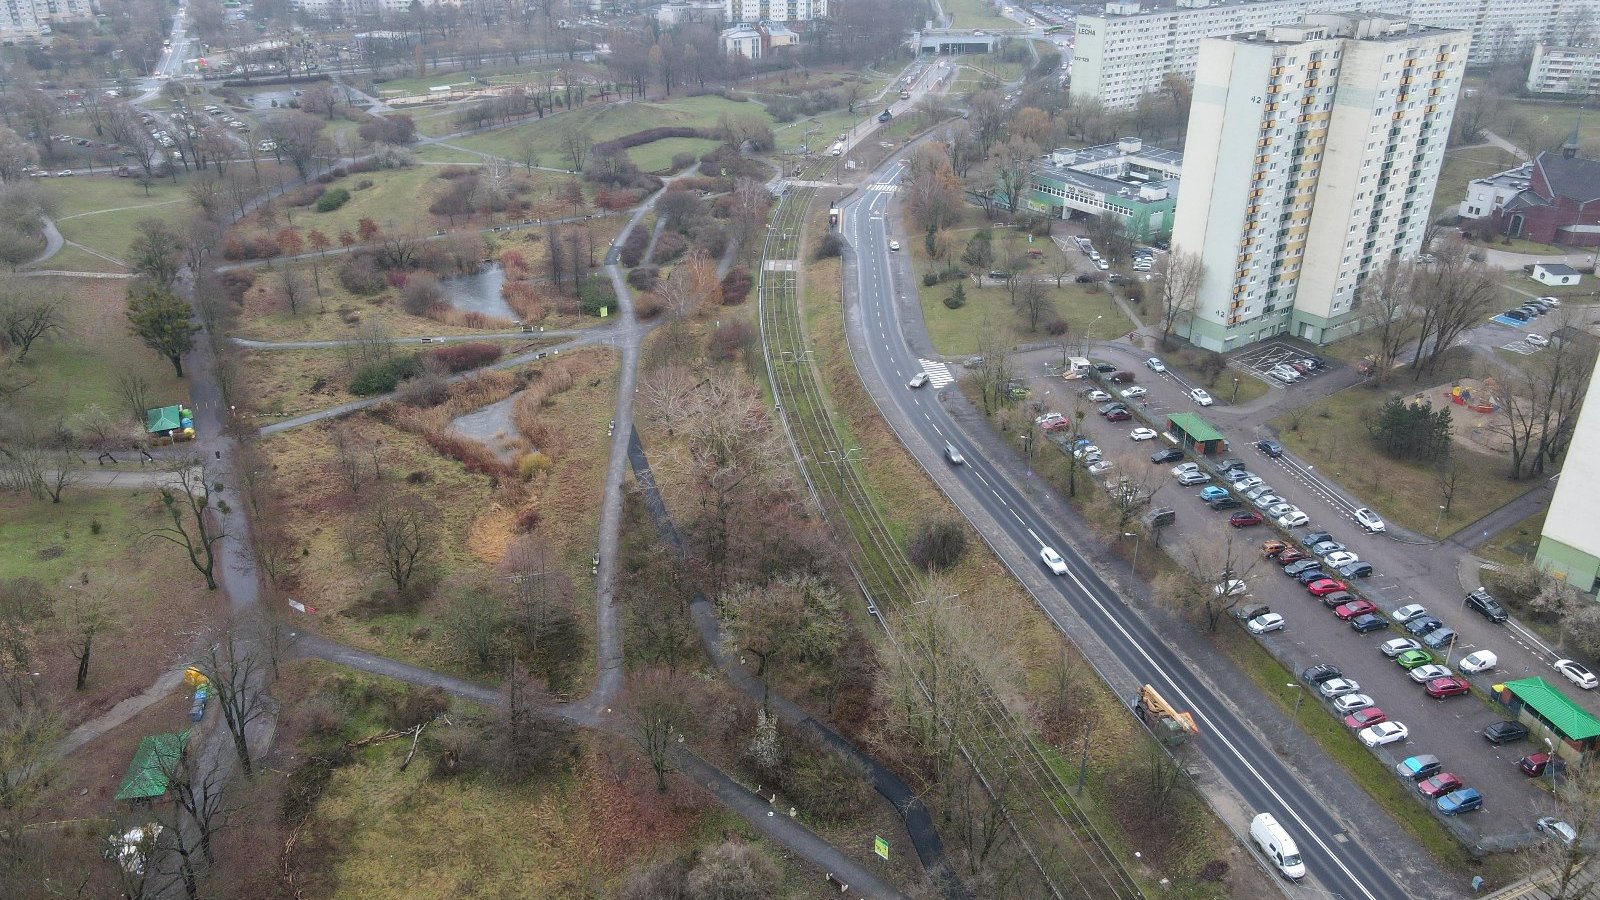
(1474, 412)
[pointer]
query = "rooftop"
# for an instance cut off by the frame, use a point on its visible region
(1556, 708)
(1574, 178)
(1557, 268)
(1195, 427)
(1091, 168)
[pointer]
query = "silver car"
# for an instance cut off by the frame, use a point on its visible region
(1334, 688)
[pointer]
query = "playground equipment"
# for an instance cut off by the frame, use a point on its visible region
(1482, 402)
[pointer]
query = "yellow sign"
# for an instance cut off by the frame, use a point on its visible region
(605, 311)
(880, 847)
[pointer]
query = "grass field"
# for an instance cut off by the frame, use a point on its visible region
(1333, 436)
(80, 368)
(101, 212)
(398, 198)
(1517, 544)
(1460, 167)
(604, 122)
(656, 156)
(76, 259)
(975, 14)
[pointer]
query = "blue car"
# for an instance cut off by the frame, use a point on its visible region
(1464, 800)
(1213, 493)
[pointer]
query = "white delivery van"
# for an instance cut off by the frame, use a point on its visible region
(1277, 845)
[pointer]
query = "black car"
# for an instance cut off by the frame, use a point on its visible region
(1486, 605)
(1294, 569)
(1084, 278)
(1505, 732)
(1356, 570)
(1103, 368)
(1421, 625)
(1337, 599)
(1369, 622)
(1315, 538)
(1516, 314)
(1272, 449)
(1307, 576)
(1222, 503)
(1109, 408)
(1321, 672)
(1228, 465)
(1171, 454)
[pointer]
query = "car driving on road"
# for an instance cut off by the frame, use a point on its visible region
(1053, 560)
(1200, 396)
(1577, 673)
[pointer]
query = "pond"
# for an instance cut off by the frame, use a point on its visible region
(479, 293)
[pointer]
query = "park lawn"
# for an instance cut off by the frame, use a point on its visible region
(1530, 248)
(77, 259)
(79, 369)
(112, 232)
(92, 541)
(1521, 287)
(1333, 436)
(95, 194)
(405, 87)
(338, 315)
(1460, 167)
(975, 14)
(656, 156)
(604, 122)
(287, 383)
(957, 332)
(398, 199)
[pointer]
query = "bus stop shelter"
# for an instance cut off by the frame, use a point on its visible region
(1195, 434)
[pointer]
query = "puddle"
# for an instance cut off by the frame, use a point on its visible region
(479, 293)
(491, 426)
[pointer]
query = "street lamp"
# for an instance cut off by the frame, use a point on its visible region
(1299, 696)
(1137, 541)
(1234, 400)
(1439, 522)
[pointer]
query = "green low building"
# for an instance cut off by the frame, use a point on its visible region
(1136, 183)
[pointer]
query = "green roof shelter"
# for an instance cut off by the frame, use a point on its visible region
(1195, 433)
(150, 771)
(1540, 701)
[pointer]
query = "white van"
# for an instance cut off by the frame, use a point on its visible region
(1277, 845)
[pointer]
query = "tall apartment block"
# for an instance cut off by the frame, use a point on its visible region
(1312, 154)
(1126, 51)
(775, 10)
(1564, 70)
(32, 18)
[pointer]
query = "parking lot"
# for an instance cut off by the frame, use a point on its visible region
(1261, 359)
(1403, 574)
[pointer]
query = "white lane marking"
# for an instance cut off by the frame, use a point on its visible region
(1036, 539)
(938, 373)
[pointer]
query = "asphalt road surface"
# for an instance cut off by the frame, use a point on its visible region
(1261, 779)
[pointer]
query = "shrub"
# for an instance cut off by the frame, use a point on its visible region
(669, 246)
(421, 294)
(360, 275)
(1055, 327)
(929, 279)
(361, 185)
(736, 286)
(595, 293)
(236, 282)
(725, 343)
(531, 464)
(385, 375)
(957, 298)
(644, 278)
(647, 307)
(937, 544)
(461, 357)
(829, 247)
(681, 161)
(528, 519)
(632, 252)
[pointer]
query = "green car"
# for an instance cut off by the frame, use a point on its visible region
(1413, 658)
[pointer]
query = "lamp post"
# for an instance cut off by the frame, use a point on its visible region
(1299, 696)
(1234, 400)
(1137, 541)
(1438, 523)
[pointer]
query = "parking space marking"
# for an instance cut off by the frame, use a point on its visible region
(1522, 347)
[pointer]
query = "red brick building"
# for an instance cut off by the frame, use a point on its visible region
(1560, 205)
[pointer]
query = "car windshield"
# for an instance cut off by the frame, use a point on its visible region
(1291, 860)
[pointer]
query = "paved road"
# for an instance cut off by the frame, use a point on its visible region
(1011, 519)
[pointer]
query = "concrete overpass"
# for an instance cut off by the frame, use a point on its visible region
(949, 41)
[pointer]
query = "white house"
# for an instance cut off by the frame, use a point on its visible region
(742, 40)
(1555, 273)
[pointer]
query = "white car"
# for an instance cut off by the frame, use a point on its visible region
(1200, 396)
(1383, 733)
(1398, 646)
(1086, 451)
(1535, 340)
(1260, 490)
(1427, 673)
(1155, 364)
(1053, 560)
(918, 380)
(1340, 558)
(1406, 613)
(1143, 434)
(1265, 623)
(1098, 396)
(1550, 301)
(1479, 661)
(1369, 520)
(1233, 587)
(1293, 519)
(1335, 688)
(1349, 703)
(894, 245)
(1281, 508)
(1247, 482)
(1101, 465)
(1577, 674)
(1133, 392)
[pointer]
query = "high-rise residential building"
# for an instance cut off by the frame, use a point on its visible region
(1312, 154)
(32, 18)
(1127, 50)
(776, 10)
(1564, 70)
(1569, 546)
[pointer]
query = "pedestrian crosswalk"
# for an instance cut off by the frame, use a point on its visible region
(883, 186)
(938, 373)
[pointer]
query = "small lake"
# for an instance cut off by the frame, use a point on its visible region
(479, 293)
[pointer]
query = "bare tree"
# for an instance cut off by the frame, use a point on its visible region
(1452, 294)
(575, 145)
(1034, 300)
(187, 502)
(399, 532)
(156, 252)
(291, 289)
(87, 617)
(231, 664)
(1210, 579)
(1538, 405)
(1556, 864)
(1387, 312)
(134, 390)
(27, 316)
(299, 136)
(658, 717)
(992, 371)
(349, 456)
(1179, 290)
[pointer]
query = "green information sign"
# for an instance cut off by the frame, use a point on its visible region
(880, 847)
(604, 311)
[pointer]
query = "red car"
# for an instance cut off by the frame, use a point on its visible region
(1535, 764)
(1361, 718)
(1329, 585)
(1439, 785)
(1292, 556)
(1452, 686)
(1245, 519)
(1352, 609)
(1118, 415)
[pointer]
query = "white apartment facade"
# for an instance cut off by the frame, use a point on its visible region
(1126, 51)
(328, 8)
(775, 10)
(33, 18)
(1311, 158)
(1564, 70)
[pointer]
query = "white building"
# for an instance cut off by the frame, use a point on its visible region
(353, 8)
(775, 10)
(1569, 547)
(670, 15)
(32, 18)
(1125, 51)
(742, 40)
(1311, 158)
(1485, 196)
(1564, 70)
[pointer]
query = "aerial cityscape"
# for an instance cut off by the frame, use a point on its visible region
(744, 449)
